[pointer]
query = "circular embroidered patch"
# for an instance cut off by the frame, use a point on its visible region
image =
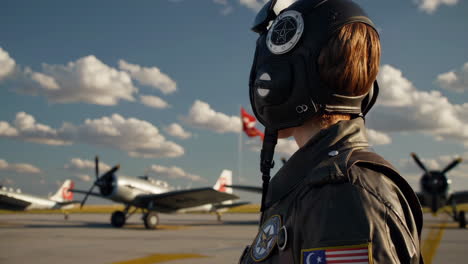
(266, 239)
(285, 32)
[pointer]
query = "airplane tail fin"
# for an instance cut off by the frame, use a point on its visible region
(224, 179)
(63, 194)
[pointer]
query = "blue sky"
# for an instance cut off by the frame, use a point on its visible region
(101, 61)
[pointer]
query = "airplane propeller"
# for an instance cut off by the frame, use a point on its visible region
(96, 167)
(452, 165)
(98, 181)
(419, 162)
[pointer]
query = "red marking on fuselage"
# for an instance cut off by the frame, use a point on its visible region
(66, 194)
(222, 184)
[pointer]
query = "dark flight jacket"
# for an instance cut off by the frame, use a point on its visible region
(336, 194)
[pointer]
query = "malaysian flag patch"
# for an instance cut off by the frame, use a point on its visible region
(353, 254)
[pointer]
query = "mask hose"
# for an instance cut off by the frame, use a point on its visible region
(267, 162)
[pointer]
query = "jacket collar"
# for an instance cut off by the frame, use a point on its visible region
(343, 135)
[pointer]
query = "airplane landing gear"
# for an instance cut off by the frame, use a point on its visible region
(218, 217)
(118, 219)
(434, 205)
(151, 220)
(461, 219)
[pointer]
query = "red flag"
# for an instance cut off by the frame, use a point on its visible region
(248, 125)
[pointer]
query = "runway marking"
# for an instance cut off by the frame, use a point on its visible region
(159, 258)
(432, 241)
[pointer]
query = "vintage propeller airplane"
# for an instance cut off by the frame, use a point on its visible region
(155, 196)
(16, 200)
(435, 190)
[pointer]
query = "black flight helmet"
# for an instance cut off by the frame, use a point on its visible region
(284, 85)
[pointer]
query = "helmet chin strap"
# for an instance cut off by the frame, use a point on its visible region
(267, 162)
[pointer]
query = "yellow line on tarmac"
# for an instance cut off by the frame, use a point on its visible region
(158, 258)
(432, 241)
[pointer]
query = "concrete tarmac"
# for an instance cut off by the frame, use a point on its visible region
(191, 238)
(443, 241)
(89, 239)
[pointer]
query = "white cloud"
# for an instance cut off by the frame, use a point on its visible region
(456, 81)
(19, 167)
(284, 146)
(136, 137)
(253, 4)
(6, 130)
(177, 130)
(173, 172)
(150, 76)
(45, 81)
(403, 108)
(77, 164)
(153, 101)
(396, 90)
(430, 6)
(378, 138)
(83, 177)
(86, 80)
(7, 64)
(201, 115)
(26, 128)
(227, 7)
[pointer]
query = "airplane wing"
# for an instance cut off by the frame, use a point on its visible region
(175, 200)
(458, 197)
(247, 188)
(68, 203)
(222, 206)
(8, 202)
(85, 192)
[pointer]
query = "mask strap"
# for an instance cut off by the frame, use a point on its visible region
(267, 162)
(372, 98)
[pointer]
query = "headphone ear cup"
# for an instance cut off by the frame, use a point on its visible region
(370, 99)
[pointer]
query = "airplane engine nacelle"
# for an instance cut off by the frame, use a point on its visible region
(435, 182)
(107, 185)
(126, 189)
(122, 192)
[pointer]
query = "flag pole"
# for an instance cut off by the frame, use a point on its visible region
(239, 151)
